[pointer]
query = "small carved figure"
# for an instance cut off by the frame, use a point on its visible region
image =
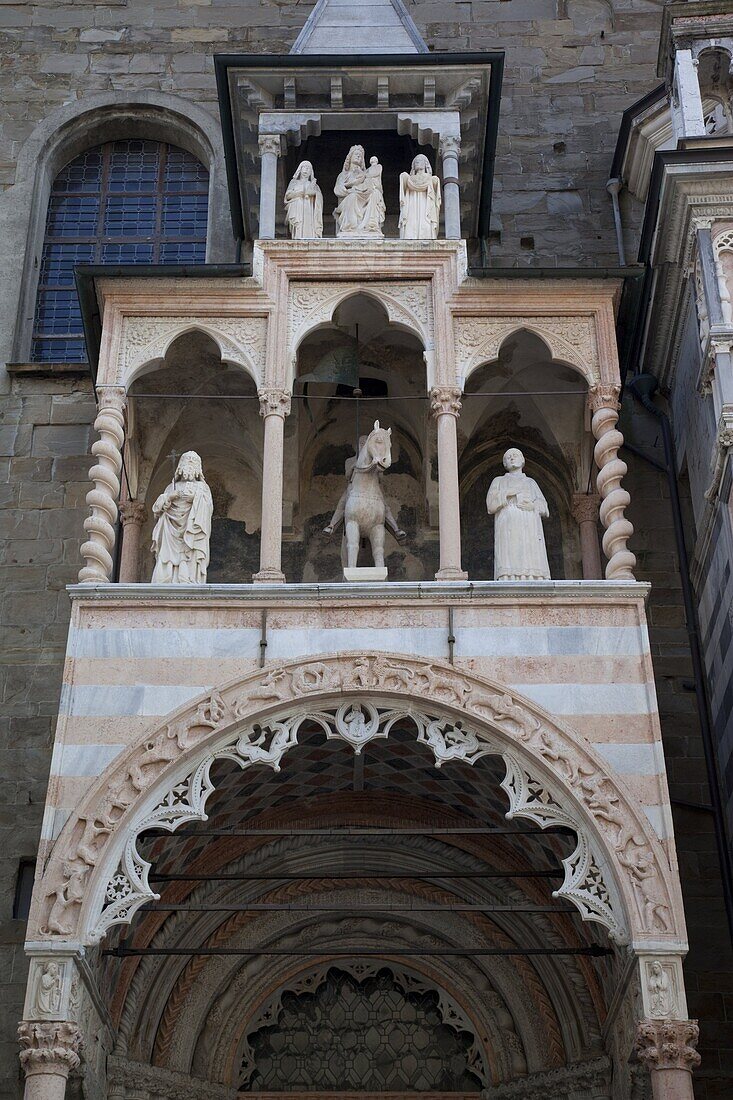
(643, 874)
(48, 989)
(304, 204)
(361, 210)
(161, 750)
(362, 506)
(519, 541)
(274, 686)
(661, 994)
(183, 529)
(70, 893)
(419, 201)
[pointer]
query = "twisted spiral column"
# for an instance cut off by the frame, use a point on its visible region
(102, 499)
(611, 469)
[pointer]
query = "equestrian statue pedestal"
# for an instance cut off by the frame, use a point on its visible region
(367, 574)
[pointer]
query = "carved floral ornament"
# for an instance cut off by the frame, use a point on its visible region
(241, 340)
(571, 339)
(313, 304)
(618, 874)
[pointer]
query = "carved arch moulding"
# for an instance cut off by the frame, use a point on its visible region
(573, 339)
(143, 340)
(311, 305)
(618, 874)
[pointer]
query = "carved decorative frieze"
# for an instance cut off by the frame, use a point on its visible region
(668, 1044)
(573, 339)
(49, 1047)
(241, 340)
(453, 703)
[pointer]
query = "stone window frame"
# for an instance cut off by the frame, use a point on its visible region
(81, 126)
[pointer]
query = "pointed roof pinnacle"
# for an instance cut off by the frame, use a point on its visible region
(358, 27)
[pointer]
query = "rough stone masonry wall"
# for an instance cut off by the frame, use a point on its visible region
(570, 73)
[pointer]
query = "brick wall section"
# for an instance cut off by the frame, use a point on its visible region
(44, 462)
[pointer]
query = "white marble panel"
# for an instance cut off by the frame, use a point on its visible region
(633, 759)
(589, 698)
(86, 760)
(555, 641)
(419, 641)
(89, 700)
(165, 642)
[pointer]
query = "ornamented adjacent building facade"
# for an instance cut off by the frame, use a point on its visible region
(362, 782)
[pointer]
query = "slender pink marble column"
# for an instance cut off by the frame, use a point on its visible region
(585, 514)
(49, 1051)
(132, 517)
(445, 403)
(274, 407)
(667, 1049)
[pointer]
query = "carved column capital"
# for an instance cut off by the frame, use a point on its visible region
(445, 399)
(668, 1044)
(51, 1047)
(604, 395)
(725, 431)
(585, 507)
(450, 146)
(133, 512)
(274, 403)
(270, 143)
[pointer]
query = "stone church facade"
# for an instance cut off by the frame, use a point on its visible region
(302, 829)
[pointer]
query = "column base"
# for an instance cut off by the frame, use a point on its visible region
(451, 575)
(268, 576)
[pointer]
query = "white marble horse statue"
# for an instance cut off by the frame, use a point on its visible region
(362, 506)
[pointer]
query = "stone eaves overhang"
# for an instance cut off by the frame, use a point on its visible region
(300, 94)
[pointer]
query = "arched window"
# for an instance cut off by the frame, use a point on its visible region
(124, 202)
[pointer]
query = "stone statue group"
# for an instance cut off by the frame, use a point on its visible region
(361, 209)
(184, 510)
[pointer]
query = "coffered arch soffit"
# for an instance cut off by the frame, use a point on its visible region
(618, 875)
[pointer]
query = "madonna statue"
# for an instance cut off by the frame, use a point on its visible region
(183, 529)
(304, 204)
(419, 202)
(361, 210)
(519, 541)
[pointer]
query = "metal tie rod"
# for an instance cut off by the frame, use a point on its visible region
(288, 907)
(351, 831)
(595, 951)
(332, 874)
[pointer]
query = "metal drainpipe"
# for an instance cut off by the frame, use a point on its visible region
(613, 187)
(642, 387)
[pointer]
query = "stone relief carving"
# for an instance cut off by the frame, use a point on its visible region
(518, 507)
(182, 531)
(478, 340)
(313, 304)
(668, 1044)
(242, 340)
(449, 739)
(47, 993)
(49, 1047)
(661, 982)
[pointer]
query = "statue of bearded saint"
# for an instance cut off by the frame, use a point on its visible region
(183, 529)
(419, 202)
(518, 506)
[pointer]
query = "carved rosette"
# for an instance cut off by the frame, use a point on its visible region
(668, 1044)
(274, 403)
(133, 512)
(102, 499)
(49, 1048)
(445, 401)
(603, 400)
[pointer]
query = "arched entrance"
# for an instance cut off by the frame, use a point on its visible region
(350, 849)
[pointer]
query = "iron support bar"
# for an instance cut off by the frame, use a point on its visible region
(327, 874)
(595, 951)
(268, 907)
(351, 831)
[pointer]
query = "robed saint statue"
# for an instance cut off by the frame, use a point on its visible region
(518, 508)
(183, 528)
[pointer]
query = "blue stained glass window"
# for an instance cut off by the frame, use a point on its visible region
(125, 202)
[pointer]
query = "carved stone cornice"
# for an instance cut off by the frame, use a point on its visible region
(49, 1047)
(133, 512)
(274, 402)
(585, 507)
(554, 1082)
(445, 400)
(668, 1044)
(604, 395)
